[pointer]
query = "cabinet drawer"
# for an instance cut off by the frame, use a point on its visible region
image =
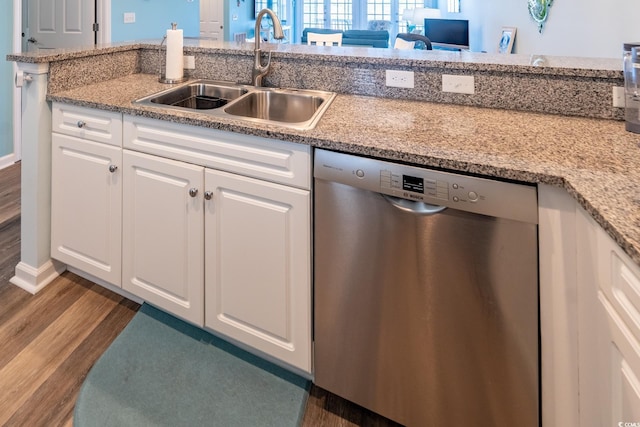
(87, 123)
(276, 161)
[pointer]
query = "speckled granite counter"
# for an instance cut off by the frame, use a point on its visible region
(531, 64)
(568, 86)
(595, 160)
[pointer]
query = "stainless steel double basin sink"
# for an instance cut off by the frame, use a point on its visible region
(292, 108)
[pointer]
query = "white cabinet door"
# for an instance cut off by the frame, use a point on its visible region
(609, 334)
(258, 265)
(163, 234)
(86, 206)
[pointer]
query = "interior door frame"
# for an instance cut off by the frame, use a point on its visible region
(17, 98)
(103, 17)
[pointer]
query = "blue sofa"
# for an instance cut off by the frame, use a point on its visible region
(364, 38)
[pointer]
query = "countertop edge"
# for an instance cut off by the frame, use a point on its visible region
(606, 68)
(554, 176)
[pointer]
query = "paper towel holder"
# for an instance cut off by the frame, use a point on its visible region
(161, 77)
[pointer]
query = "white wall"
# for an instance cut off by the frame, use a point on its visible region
(589, 28)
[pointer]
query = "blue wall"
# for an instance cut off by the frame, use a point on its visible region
(240, 17)
(6, 81)
(154, 18)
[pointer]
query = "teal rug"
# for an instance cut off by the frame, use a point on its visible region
(161, 371)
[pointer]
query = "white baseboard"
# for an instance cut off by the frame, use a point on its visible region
(33, 279)
(7, 160)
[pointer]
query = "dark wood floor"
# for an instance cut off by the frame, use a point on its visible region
(49, 341)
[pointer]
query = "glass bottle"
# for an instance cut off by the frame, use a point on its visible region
(630, 67)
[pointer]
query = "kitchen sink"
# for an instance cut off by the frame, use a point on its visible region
(277, 105)
(200, 95)
(293, 108)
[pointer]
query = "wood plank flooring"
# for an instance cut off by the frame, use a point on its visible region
(50, 341)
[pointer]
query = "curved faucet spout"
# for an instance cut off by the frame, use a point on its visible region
(260, 70)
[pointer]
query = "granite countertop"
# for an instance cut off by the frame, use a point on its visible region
(468, 61)
(595, 160)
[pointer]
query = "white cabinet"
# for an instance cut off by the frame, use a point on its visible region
(558, 307)
(163, 234)
(211, 226)
(267, 159)
(86, 191)
(258, 265)
(589, 318)
(609, 328)
(227, 245)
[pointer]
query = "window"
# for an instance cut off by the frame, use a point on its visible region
(379, 10)
(340, 15)
(403, 25)
(313, 16)
(355, 14)
(279, 7)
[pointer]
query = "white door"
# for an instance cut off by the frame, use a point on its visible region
(60, 24)
(162, 229)
(86, 206)
(211, 19)
(258, 265)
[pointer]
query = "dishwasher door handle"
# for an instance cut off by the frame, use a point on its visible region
(418, 208)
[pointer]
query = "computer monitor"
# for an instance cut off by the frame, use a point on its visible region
(447, 33)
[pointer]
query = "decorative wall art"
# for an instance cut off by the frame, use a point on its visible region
(505, 45)
(539, 11)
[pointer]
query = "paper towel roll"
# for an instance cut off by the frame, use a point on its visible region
(174, 65)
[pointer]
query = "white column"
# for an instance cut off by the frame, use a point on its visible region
(36, 269)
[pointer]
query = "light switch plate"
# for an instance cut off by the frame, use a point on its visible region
(129, 17)
(396, 78)
(458, 84)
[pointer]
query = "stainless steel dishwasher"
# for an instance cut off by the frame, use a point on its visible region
(426, 293)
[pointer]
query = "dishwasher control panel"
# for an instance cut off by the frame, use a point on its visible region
(413, 187)
(472, 194)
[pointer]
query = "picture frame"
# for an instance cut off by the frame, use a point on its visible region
(507, 37)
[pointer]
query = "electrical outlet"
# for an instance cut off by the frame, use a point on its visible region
(618, 96)
(397, 78)
(189, 62)
(458, 84)
(129, 17)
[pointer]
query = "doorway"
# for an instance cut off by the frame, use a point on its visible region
(101, 10)
(212, 19)
(51, 25)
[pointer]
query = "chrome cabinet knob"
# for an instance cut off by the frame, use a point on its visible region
(113, 168)
(208, 195)
(81, 124)
(193, 192)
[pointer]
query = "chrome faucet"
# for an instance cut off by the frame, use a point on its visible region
(260, 70)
